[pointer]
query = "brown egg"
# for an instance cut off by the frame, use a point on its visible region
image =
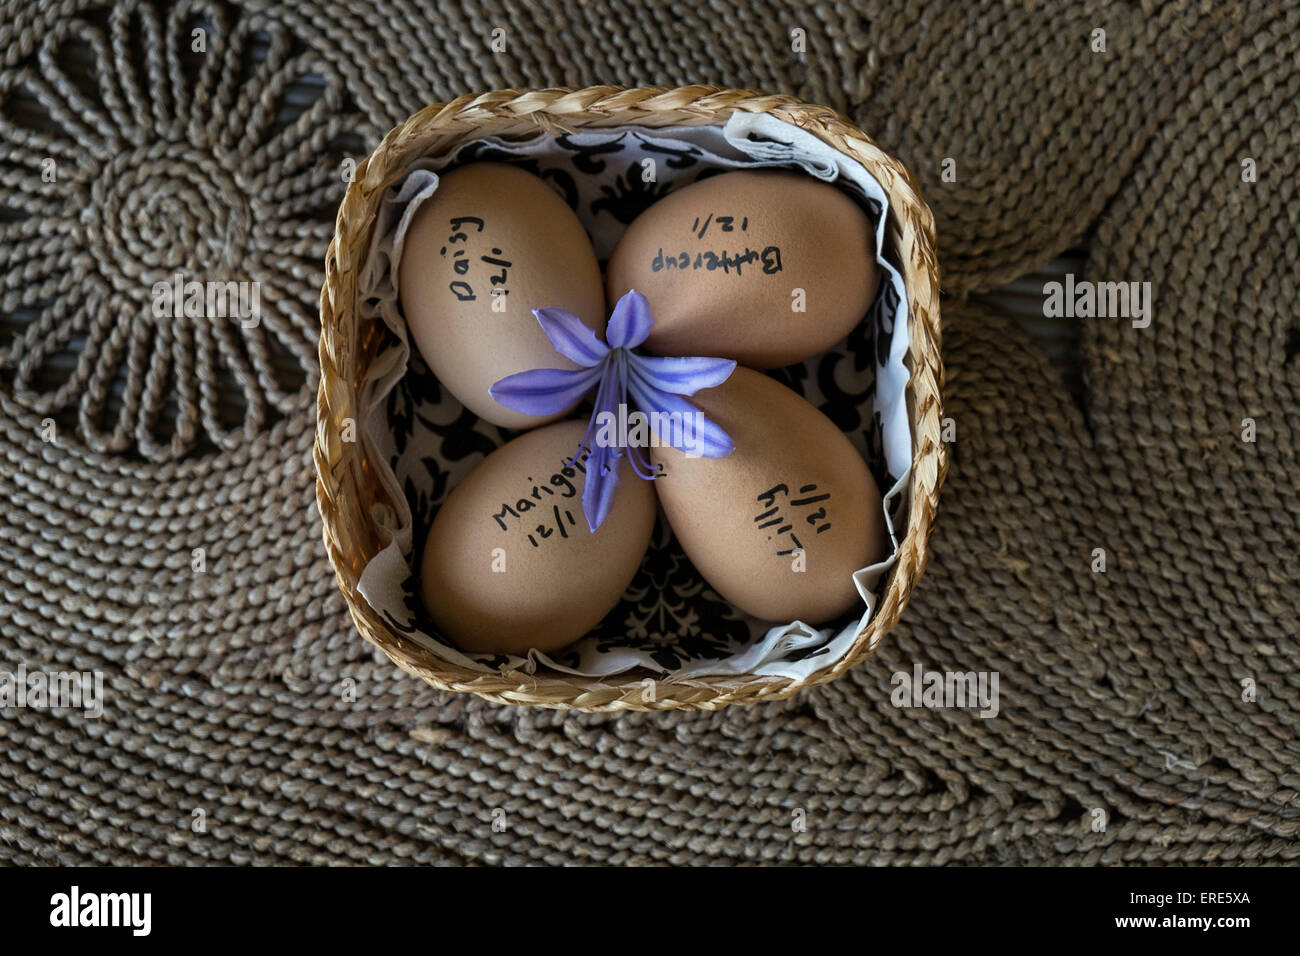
(492, 244)
(510, 563)
(793, 484)
(767, 268)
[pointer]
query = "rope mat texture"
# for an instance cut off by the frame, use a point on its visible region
(1148, 712)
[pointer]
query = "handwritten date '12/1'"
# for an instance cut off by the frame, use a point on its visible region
(809, 506)
(560, 485)
(462, 259)
(769, 258)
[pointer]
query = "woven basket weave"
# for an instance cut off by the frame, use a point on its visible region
(346, 489)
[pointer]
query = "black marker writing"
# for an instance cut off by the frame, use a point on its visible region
(773, 519)
(558, 485)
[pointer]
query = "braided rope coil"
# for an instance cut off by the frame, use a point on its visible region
(346, 488)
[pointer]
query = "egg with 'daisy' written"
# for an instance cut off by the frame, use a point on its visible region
(510, 563)
(779, 526)
(765, 267)
(491, 244)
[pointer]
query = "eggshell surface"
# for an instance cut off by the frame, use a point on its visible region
(765, 267)
(779, 526)
(490, 245)
(510, 564)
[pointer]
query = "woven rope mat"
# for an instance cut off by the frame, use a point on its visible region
(225, 736)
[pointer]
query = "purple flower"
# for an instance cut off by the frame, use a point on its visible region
(614, 370)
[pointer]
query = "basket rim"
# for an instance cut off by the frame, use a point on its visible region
(341, 465)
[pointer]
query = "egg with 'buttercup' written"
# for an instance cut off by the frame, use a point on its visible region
(510, 563)
(490, 245)
(779, 526)
(765, 267)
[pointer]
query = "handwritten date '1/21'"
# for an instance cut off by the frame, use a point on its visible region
(462, 259)
(559, 485)
(774, 521)
(723, 224)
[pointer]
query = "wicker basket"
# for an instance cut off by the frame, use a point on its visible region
(346, 488)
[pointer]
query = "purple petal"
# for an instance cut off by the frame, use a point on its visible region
(708, 439)
(636, 455)
(630, 323)
(544, 391)
(571, 337)
(598, 490)
(606, 394)
(683, 376)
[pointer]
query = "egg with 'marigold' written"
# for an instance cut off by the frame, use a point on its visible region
(779, 526)
(510, 563)
(765, 267)
(490, 245)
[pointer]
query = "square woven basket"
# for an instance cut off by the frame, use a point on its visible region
(346, 487)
